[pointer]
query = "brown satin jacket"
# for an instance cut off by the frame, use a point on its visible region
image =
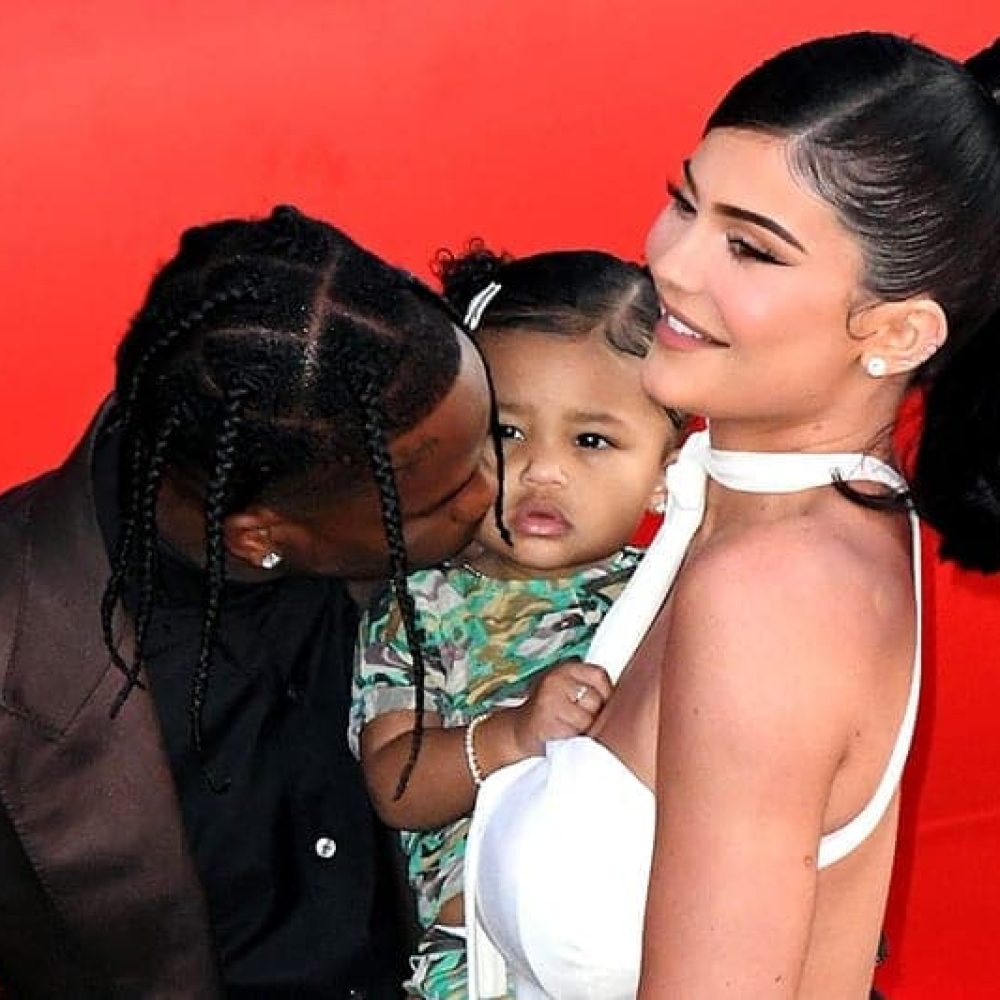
(99, 896)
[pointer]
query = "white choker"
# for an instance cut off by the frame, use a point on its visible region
(748, 471)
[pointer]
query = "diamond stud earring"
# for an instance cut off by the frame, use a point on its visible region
(876, 366)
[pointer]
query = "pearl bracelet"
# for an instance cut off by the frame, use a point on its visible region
(470, 749)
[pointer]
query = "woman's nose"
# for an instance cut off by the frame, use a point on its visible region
(676, 251)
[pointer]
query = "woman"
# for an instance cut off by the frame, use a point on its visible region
(833, 240)
(181, 815)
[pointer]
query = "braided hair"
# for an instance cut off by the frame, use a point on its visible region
(272, 360)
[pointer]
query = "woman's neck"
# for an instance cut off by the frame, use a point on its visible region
(859, 417)
(744, 436)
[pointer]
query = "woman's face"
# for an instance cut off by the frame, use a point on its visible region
(445, 487)
(757, 280)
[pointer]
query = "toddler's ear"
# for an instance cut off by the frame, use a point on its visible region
(658, 498)
(657, 503)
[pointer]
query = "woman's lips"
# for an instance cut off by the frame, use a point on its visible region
(540, 519)
(678, 333)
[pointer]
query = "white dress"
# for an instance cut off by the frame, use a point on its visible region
(558, 856)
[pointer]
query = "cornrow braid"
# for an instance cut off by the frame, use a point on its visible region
(226, 441)
(149, 491)
(392, 521)
(139, 523)
(120, 561)
(502, 530)
(192, 320)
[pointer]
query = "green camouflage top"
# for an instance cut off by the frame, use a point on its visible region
(486, 640)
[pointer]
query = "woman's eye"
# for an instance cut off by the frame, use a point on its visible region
(743, 249)
(680, 203)
(508, 432)
(589, 440)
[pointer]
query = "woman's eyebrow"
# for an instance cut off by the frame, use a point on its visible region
(745, 215)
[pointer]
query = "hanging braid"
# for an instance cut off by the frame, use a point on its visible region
(234, 375)
(145, 495)
(119, 570)
(144, 477)
(215, 563)
(392, 521)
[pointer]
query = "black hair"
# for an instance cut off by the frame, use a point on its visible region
(571, 292)
(273, 361)
(904, 144)
(985, 67)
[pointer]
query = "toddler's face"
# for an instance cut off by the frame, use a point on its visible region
(584, 452)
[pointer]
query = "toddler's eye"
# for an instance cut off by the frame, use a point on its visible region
(508, 432)
(591, 440)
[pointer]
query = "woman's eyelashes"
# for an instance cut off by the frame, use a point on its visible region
(741, 247)
(682, 205)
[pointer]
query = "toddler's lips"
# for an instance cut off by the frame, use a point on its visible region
(540, 519)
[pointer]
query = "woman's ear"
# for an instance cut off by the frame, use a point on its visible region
(900, 336)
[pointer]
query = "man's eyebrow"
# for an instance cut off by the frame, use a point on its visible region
(745, 215)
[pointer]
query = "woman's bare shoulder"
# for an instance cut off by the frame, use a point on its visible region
(785, 620)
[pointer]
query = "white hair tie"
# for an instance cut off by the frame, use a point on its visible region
(478, 304)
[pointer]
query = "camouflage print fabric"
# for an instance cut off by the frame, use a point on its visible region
(486, 641)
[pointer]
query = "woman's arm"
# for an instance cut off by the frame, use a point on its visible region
(755, 691)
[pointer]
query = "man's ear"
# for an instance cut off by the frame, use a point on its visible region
(250, 535)
(900, 336)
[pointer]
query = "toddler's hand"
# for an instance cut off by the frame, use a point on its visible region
(564, 702)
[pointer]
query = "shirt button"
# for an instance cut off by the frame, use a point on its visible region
(325, 847)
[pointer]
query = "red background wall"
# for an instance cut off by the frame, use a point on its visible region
(415, 126)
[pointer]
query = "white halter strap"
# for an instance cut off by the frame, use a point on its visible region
(630, 617)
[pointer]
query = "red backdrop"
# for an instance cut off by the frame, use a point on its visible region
(415, 126)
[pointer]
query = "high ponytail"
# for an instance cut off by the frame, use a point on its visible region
(955, 484)
(956, 479)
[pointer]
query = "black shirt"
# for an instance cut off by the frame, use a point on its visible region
(287, 853)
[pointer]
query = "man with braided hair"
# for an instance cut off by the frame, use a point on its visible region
(180, 815)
